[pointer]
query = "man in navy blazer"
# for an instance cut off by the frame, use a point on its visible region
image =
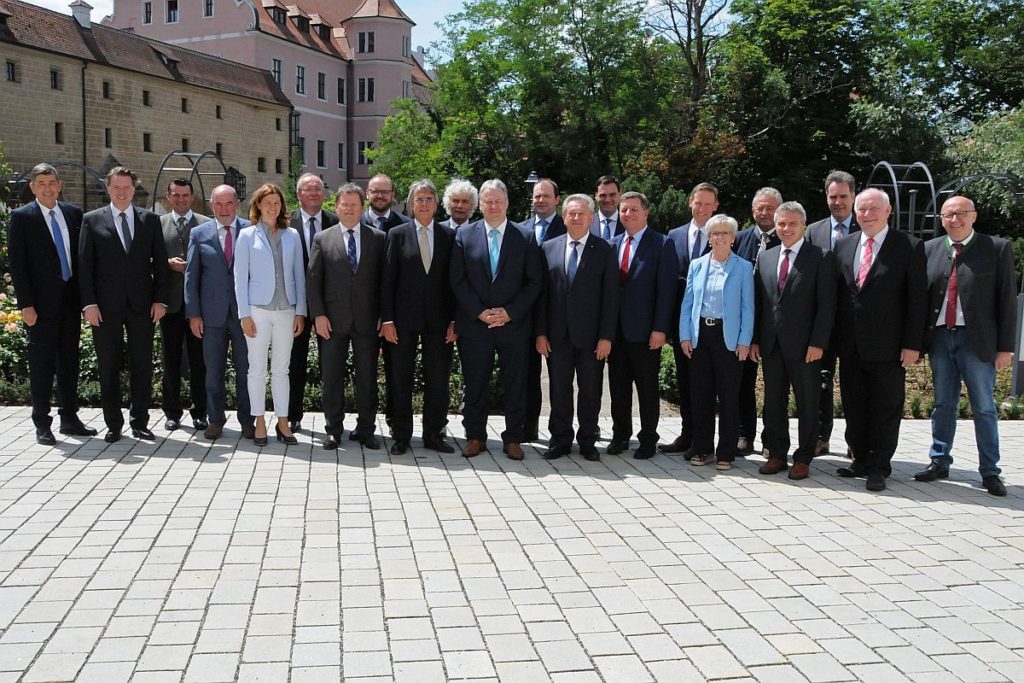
(123, 283)
(576, 318)
(691, 242)
(496, 275)
(43, 252)
(648, 271)
(212, 309)
(460, 201)
(606, 224)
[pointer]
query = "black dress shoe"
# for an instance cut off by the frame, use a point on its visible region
(644, 452)
(399, 447)
(289, 440)
(616, 446)
(143, 433)
(370, 441)
(590, 453)
(438, 444)
(45, 437)
(77, 429)
(112, 436)
(199, 423)
(171, 424)
(680, 445)
(849, 472)
(932, 472)
(330, 442)
(354, 436)
(260, 440)
(876, 482)
(295, 426)
(248, 431)
(994, 485)
(556, 452)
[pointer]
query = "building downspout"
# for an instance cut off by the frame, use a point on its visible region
(85, 138)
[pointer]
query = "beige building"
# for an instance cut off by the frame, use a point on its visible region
(91, 96)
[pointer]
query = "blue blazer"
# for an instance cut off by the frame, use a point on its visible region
(649, 293)
(254, 270)
(738, 297)
(209, 278)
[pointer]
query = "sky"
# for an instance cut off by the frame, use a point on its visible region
(424, 12)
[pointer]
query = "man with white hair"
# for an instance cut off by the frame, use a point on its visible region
(460, 202)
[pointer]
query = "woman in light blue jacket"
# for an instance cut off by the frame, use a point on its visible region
(716, 323)
(270, 287)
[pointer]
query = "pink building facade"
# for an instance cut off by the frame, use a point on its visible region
(339, 62)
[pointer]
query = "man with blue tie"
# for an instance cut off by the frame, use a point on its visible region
(496, 275)
(212, 309)
(381, 194)
(43, 252)
(545, 224)
(691, 242)
(606, 223)
(840, 189)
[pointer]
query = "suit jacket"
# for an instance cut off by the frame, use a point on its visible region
(587, 310)
(351, 301)
(556, 228)
(680, 238)
(394, 219)
(889, 313)
(412, 298)
(748, 242)
(34, 263)
(117, 281)
(987, 287)
(515, 288)
(595, 227)
(803, 313)
(255, 271)
(209, 278)
(177, 247)
(649, 292)
(448, 223)
(327, 219)
(819, 233)
(738, 300)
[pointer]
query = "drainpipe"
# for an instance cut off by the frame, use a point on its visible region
(85, 134)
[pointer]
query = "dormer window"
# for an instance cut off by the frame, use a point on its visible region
(324, 31)
(278, 15)
(302, 23)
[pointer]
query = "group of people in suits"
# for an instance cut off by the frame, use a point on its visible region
(590, 284)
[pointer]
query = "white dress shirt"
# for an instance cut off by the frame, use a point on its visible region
(879, 238)
(794, 250)
(130, 215)
(63, 229)
(581, 243)
(352, 235)
(632, 248)
(941, 320)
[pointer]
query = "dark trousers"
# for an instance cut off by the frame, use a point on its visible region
(534, 398)
(477, 356)
(109, 338)
(715, 372)
(334, 374)
(748, 402)
(437, 367)
(53, 350)
(873, 394)
(178, 338)
(215, 355)
(564, 362)
(826, 404)
(779, 375)
(298, 372)
(634, 363)
(683, 384)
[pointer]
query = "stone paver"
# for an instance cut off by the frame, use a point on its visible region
(182, 560)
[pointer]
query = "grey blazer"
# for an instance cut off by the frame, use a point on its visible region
(177, 246)
(350, 300)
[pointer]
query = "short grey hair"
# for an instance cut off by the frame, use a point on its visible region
(578, 198)
(767, 192)
(494, 184)
(423, 185)
(308, 176)
(460, 186)
(635, 195)
(791, 207)
(42, 169)
(351, 188)
(874, 191)
(841, 177)
(721, 219)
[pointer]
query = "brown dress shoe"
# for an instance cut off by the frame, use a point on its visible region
(773, 466)
(799, 470)
(213, 431)
(248, 431)
(514, 451)
(474, 447)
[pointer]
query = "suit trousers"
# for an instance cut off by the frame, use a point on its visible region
(477, 356)
(109, 339)
(177, 337)
(534, 394)
(215, 355)
(274, 336)
(298, 372)
(437, 368)
(873, 394)
(634, 363)
(748, 401)
(334, 377)
(779, 375)
(564, 362)
(826, 403)
(53, 350)
(715, 372)
(683, 387)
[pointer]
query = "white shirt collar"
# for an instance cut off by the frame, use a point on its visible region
(306, 216)
(964, 242)
(795, 248)
(550, 219)
(176, 216)
(879, 238)
(846, 221)
(582, 241)
(614, 217)
(46, 212)
(345, 227)
(429, 226)
(377, 216)
(500, 228)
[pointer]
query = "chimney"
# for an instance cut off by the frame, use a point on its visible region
(82, 12)
(419, 56)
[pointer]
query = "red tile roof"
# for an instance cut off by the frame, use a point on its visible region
(382, 8)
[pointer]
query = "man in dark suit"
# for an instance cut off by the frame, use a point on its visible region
(606, 223)
(176, 226)
(381, 193)
(496, 276)
(690, 241)
(213, 310)
(43, 255)
(123, 282)
(648, 273)
(840, 188)
(309, 219)
(972, 325)
(576, 318)
(343, 289)
(544, 223)
(880, 320)
(460, 201)
(795, 295)
(750, 244)
(417, 310)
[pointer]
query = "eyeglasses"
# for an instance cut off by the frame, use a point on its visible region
(378, 193)
(720, 235)
(952, 215)
(424, 200)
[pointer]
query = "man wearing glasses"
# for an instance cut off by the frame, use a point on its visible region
(971, 327)
(380, 192)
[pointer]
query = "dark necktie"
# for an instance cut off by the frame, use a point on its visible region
(952, 292)
(624, 265)
(353, 261)
(570, 271)
(62, 252)
(307, 244)
(380, 223)
(126, 234)
(182, 223)
(228, 246)
(695, 252)
(784, 269)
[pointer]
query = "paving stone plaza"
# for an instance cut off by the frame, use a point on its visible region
(184, 561)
